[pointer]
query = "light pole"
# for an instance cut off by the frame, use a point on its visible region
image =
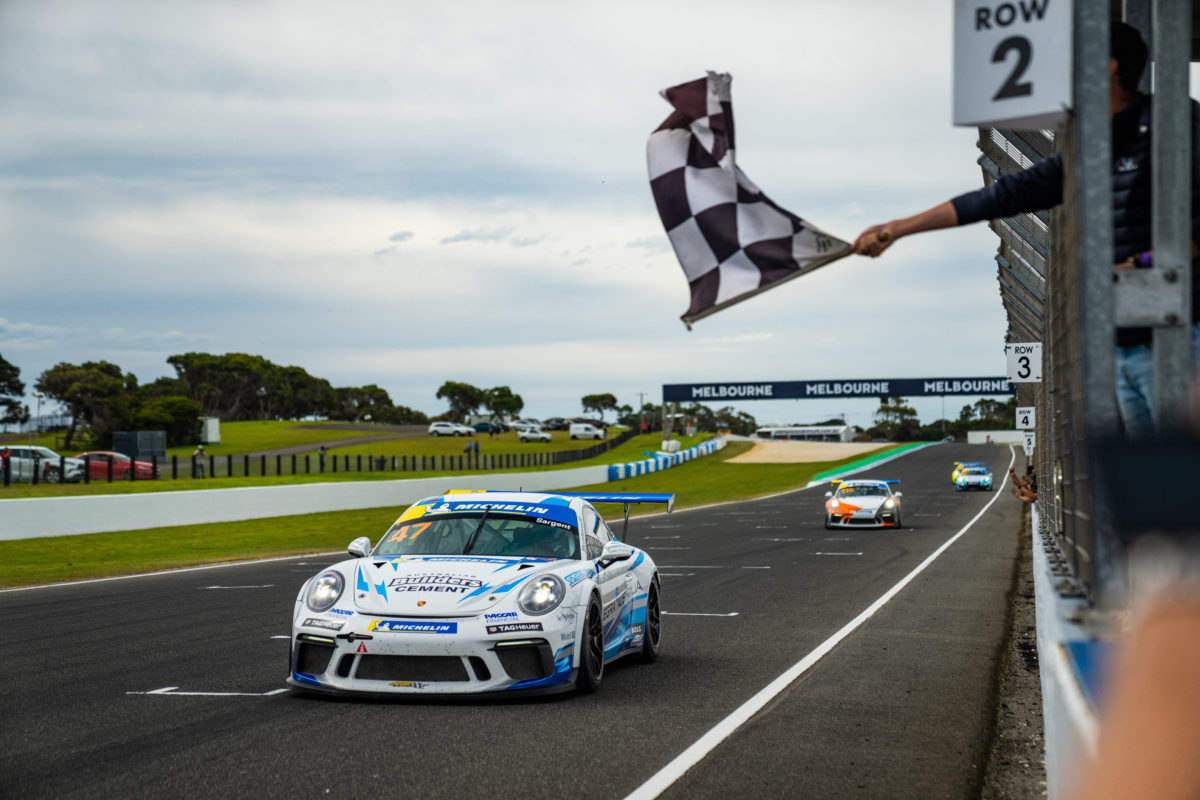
(38, 420)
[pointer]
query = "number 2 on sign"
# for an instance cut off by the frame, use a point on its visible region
(1013, 87)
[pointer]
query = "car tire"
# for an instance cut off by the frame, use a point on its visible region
(652, 627)
(52, 475)
(573, 436)
(897, 522)
(128, 474)
(591, 654)
(828, 523)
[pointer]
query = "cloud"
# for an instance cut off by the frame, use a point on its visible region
(477, 235)
(204, 176)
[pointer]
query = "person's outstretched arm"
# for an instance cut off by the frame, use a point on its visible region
(877, 238)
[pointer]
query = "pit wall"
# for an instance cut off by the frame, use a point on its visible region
(27, 518)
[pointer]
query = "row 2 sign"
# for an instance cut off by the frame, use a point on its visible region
(1012, 63)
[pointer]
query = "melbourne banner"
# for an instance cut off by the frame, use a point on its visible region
(799, 390)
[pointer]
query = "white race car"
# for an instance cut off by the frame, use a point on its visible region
(973, 477)
(481, 593)
(863, 503)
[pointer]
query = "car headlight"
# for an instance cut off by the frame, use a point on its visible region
(834, 503)
(325, 590)
(889, 503)
(542, 595)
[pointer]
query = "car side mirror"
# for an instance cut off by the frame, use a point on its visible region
(360, 547)
(613, 552)
(898, 494)
(829, 494)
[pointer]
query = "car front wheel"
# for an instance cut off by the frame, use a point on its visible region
(52, 475)
(652, 629)
(591, 657)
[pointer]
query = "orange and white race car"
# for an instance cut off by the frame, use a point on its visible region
(865, 503)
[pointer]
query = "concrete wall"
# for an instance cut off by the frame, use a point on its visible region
(998, 437)
(24, 518)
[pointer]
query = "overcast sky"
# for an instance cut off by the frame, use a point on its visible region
(405, 193)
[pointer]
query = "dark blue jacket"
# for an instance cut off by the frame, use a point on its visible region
(1040, 187)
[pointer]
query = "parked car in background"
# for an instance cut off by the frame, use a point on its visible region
(24, 459)
(583, 430)
(449, 429)
(123, 467)
(532, 434)
(555, 424)
(490, 427)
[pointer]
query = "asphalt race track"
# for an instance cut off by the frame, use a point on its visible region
(173, 684)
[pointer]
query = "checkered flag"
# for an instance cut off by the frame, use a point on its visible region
(731, 239)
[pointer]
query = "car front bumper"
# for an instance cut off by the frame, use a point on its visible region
(361, 659)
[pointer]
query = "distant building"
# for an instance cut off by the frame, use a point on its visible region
(807, 433)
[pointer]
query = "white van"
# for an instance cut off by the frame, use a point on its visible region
(582, 430)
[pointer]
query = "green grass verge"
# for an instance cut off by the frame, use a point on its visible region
(711, 479)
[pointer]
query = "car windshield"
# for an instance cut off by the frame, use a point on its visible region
(862, 491)
(870, 491)
(975, 471)
(499, 535)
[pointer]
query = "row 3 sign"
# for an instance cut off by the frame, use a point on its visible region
(801, 390)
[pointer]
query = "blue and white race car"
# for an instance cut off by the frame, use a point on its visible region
(973, 476)
(481, 593)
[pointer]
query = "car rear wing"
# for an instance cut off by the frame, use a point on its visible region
(626, 499)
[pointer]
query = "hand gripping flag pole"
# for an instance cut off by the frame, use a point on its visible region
(731, 239)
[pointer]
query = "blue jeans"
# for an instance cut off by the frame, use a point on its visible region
(1135, 386)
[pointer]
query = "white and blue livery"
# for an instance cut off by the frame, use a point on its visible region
(481, 593)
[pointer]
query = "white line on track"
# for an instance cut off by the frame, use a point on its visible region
(259, 586)
(659, 547)
(837, 554)
(705, 566)
(171, 690)
(675, 574)
(697, 614)
(693, 755)
(165, 572)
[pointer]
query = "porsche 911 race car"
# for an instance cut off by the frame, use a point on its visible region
(863, 503)
(972, 477)
(481, 593)
(958, 467)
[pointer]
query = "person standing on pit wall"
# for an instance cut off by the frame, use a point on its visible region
(198, 461)
(1041, 187)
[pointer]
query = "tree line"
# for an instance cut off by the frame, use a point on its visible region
(101, 398)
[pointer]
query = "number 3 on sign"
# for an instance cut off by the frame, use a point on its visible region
(1024, 362)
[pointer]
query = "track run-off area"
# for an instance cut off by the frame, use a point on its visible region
(797, 662)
